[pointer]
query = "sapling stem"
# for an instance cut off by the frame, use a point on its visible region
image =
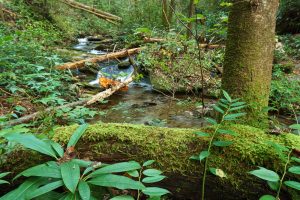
(209, 148)
(284, 173)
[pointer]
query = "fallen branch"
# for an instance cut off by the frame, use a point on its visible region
(98, 97)
(81, 63)
(101, 14)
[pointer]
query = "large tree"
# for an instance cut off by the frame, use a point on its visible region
(249, 55)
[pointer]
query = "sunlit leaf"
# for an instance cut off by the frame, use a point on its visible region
(148, 162)
(31, 142)
(155, 191)
(122, 197)
(77, 134)
(84, 190)
(70, 173)
(202, 134)
(265, 174)
(152, 172)
(293, 184)
(153, 179)
(118, 167)
(116, 181)
(45, 189)
(295, 170)
(267, 197)
(218, 172)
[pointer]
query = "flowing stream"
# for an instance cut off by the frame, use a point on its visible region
(143, 105)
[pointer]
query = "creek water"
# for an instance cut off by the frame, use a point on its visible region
(141, 104)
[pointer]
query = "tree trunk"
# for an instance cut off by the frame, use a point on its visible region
(190, 14)
(165, 21)
(249, 55)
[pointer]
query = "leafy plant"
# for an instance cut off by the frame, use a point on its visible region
(276, 181)
(79, 177)
(228, 109)
(3, 175)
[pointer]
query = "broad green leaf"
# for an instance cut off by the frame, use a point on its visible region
(236, 108)
(42, 170)
(217, 172)
(233, 116)
(293, 184)
(70, 173)
(4, 182)
(118, 167)
(134, 173)
(82, 163)
(26, 187)
(122, 197)
(295, 170)
(155, 191)
(237, 104)
(4, 174)
(228, 132)
(84, 190)
(77, 134)
(203, 155)
(49, 196)
(211, 121)
(273, 185)
(152, 172)
(202, 134)
(45, 189)
(226, 95)
(296, 159)
(267, 197)
(223, 105)
(31, 142)
(148, 162)
(153, 179)
(116, 181)
(58, 149)
(222, 143)
(217, 108)
(295, 126)
(265, 174)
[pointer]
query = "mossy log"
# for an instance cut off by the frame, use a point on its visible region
(172, 147)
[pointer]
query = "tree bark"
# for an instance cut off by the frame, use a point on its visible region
(190, 14)
(249, 55)
(165, 21)
(114, 55)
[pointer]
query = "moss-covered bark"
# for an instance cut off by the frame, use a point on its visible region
(171, 148)
(249, 55)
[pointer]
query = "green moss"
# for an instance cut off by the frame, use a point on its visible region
(173, 147)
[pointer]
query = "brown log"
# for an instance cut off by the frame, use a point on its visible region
(114, 55)
(99, 13)
(98, 97)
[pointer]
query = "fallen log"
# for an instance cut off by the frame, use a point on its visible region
(171, 148)
(101, 14)
(114, 55)
(98, 97)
